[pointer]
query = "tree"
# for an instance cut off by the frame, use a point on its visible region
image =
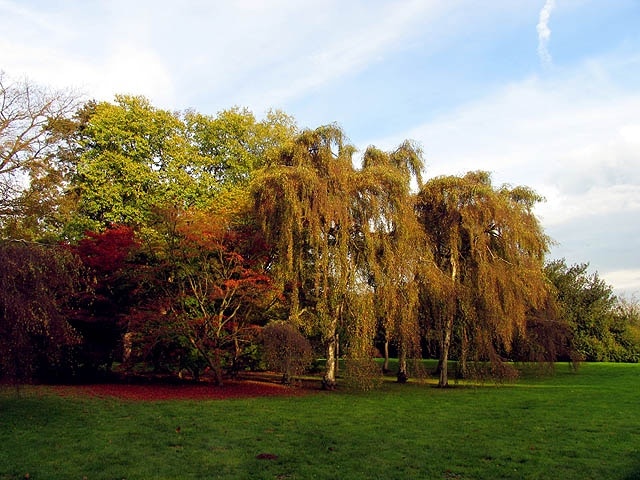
(34, 123)
(133, 157)
(626, 328)
(303, 204)
(115, 286)
(491, 247)
(236, 144)
(394, 253)
(603, 326)
(136, 159)
(36, 284)
(335, 233)
(211, 291)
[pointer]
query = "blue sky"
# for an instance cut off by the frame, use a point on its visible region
(539, 92)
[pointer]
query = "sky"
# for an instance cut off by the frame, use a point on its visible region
(542, 93)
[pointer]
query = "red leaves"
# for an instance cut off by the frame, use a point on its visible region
(211, 286)
(107, 251)
(159, 392)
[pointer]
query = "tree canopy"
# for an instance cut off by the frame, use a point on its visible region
(175, 238)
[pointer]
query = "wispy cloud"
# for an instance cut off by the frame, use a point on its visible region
(544, 32)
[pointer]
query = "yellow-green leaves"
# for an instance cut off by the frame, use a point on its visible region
(491, 246)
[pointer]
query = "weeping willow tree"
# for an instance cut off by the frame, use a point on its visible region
(333, 229)
(491, 247)
(394, 243)
(303, 202)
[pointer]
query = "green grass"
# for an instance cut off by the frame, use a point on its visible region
(570, 426)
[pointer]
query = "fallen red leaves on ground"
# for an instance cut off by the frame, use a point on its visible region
(186, 391)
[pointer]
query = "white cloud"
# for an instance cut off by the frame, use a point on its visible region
(544, 32)
(94, 51)
(259, 53)
(626, 282)
(574, 138)
(306, 47)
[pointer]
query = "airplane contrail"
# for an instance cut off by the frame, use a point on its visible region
(544, 33)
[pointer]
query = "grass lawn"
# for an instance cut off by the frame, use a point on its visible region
(583, 425)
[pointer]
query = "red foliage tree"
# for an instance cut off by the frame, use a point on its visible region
(213, 289)
(114, 283)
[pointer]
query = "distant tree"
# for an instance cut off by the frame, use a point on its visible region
(36, 285)
(626, 327)
(604, 327)
(34, 125)
(491, 247)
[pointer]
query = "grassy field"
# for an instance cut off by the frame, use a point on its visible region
(570, 426)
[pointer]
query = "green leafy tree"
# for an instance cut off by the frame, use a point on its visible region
(604, 327)
(491, 247)
(133, 158)
(236, 144)
(626, 327)
(136, 160)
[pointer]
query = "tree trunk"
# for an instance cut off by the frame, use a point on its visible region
(444, 352)
(448, 327)
(385, 365)
(216, 367)
(403, 374)
(329, 379)
(464, 354)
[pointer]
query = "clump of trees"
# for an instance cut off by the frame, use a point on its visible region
(604, 328)
(181, 243)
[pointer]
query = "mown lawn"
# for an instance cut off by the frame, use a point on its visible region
(570, 426)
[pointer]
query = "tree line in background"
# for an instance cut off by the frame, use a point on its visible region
(180, 242)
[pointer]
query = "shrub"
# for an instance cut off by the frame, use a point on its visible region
(286, 350)
(362, 374)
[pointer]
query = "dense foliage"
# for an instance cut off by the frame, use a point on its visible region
(36, 285)
(166, 242)
(605, 328)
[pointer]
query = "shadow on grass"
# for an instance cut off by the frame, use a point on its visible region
(635, 472)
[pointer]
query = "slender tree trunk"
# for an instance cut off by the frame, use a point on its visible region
(385, 365)
(448, 327)
(444, 352)
(337, 356)
(464, 354)
(403, 374)
(329, 379)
